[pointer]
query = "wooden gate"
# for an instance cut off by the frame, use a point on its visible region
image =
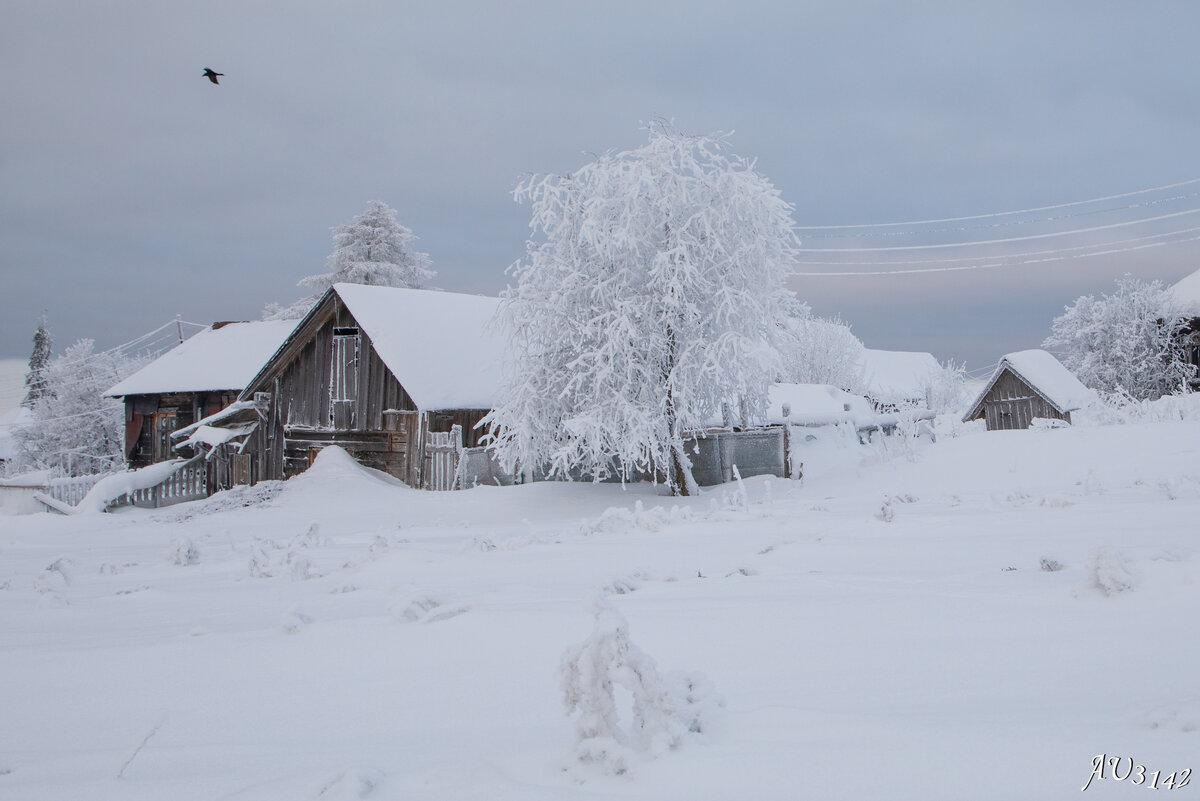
(442, 452)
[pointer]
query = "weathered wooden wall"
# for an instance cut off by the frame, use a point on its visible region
(150, 419)
(380, 425)
(1012, 404)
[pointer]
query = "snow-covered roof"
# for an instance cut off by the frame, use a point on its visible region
(816, 404)
(442, 346)
(223, 358)
(1045, 374)
(1185, 294)
(894, 376)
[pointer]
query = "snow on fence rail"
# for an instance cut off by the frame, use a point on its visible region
(188, 483)
(72, 490)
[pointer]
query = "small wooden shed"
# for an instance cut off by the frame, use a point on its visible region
(1185, 297)
(397, 377)
(197, 378)
(1028, 384)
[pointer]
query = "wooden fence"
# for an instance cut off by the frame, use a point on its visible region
(442, 451)
(71, 490)
(188, 483)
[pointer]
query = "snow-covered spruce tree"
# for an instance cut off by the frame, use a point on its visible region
(371, 249)
(653, 295)
(75, 430)
(1124, 343)
(35, 379)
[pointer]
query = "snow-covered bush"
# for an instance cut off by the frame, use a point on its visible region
(1107, 573)
(372, 249)
(820, 350)
(664, 707)
(654, 293)
(1125, 343)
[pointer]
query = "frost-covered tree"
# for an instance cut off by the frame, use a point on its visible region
(821, 351)
(1124, 343)
(74, 429)
(35, 379)
(652, 293)
(371, 249)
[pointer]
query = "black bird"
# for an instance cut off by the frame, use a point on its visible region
(212, 76)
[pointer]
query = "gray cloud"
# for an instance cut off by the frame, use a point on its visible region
(132, 190)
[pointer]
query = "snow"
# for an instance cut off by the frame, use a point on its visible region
(898, 376)
(109, 488)
(1185, 294)
(8, 421)
(1047, 375)
(212, 436)
(816, 405)
(976, 618)
(441, 346)
(224, 358)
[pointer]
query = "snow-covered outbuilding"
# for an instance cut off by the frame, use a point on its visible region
(898, 379)
(1185, 298)
(197, 378)
(1028, 384)
(394, 376)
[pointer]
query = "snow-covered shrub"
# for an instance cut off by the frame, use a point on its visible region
(1126, 342)
(1106, 572)
(818, 350)
(664, 707)
(294, 621)
(1119, 408)
(184, 552)
(947, 389)
(1051, 565)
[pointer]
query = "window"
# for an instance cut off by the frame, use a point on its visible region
(343, 377)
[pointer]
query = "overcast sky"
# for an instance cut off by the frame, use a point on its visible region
(132, 189)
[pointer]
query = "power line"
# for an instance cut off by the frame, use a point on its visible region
(989, 265)
(944, 245)
(1033, 210)
(1111, 244)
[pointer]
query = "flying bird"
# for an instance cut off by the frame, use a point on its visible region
(212, 76)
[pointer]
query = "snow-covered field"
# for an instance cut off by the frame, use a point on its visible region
(976, 618)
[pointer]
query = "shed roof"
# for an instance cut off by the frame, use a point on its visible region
(217, 358)
(1046, 375)
(1185, 294)
(443, 347)
(898, 375)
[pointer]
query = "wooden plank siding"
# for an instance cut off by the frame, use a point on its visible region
(379, 426)
(1011, 403)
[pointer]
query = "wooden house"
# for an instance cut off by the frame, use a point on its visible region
(197, 378)
(395, 376)
(1026, 385)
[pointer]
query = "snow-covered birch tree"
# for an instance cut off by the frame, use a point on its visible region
(372, 249)
(1124, 343)
(651, 294)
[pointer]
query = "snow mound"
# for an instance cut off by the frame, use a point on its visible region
(336, 470)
